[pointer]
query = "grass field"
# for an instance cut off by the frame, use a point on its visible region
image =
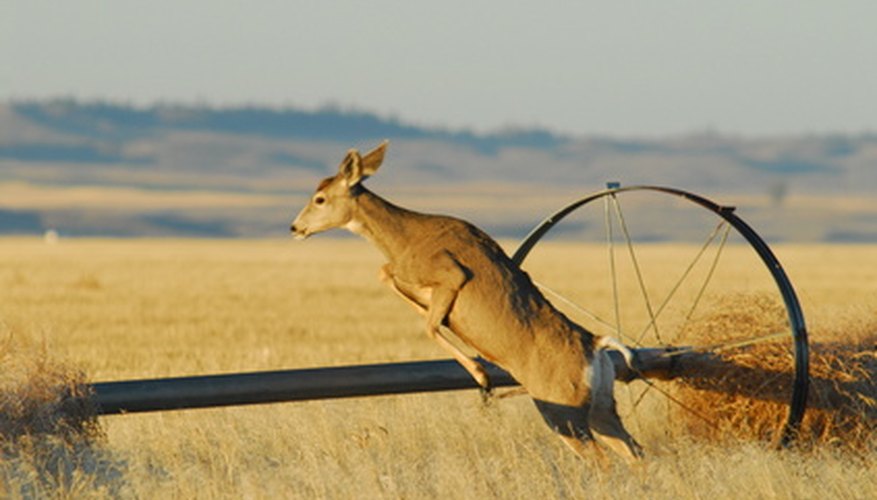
(118, 309)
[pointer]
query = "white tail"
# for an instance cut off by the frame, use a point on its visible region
(457, 276)
(613, 343)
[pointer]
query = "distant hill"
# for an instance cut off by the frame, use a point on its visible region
(268, 159)
(103, 121)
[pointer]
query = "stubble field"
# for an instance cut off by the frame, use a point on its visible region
(120, 309)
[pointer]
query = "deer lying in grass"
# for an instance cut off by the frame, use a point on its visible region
(457, 276)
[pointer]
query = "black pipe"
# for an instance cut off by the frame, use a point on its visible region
(178, 393)
(130, 396)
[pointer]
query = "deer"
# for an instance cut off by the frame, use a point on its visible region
(466, 287)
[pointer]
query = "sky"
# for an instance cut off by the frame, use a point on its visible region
(620, 68)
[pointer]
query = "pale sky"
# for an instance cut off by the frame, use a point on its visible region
(647, 68)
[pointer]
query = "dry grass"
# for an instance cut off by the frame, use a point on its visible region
(39, 396)
(842, 410)
(124, 309)
(49, 433)
(721, 385)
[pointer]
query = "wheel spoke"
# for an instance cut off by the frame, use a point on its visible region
(639, 276)
(679, 403)
(610, 240)
(709, 275)
(685, 274)
(585, 312)
(727, 346)
(641, 397)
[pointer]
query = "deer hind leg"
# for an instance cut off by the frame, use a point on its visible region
(603, 418)
(570, 423)
(436, 313)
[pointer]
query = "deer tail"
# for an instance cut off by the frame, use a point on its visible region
(613, 343)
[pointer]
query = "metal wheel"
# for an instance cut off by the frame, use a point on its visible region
(658, 267)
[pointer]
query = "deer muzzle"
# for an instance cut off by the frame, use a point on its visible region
(299, 232)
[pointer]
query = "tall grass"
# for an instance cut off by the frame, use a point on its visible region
(124, 309)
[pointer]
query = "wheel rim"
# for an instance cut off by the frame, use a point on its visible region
(615, 222)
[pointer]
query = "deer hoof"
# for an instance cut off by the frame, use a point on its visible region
(487, 395)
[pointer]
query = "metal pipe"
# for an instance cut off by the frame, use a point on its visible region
(179, 393)
(130, 396)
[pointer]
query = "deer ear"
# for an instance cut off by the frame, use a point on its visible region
(351, 168)
(373, 159)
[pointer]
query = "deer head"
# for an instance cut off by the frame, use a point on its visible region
(332, 204)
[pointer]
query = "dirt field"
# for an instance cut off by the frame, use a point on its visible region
(119, 309)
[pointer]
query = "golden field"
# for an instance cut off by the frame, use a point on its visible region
(120, 309)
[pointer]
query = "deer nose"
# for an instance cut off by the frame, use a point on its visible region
(298, 233)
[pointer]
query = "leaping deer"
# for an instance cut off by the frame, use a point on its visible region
(456, 276)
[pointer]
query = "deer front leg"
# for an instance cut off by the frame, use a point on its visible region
(388, 278)
(449, 279)
(423, 301)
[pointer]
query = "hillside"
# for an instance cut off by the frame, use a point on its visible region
(113, 169)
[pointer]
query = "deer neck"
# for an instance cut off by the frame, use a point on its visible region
(386, 225)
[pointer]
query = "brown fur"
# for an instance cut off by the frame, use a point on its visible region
(457, 276)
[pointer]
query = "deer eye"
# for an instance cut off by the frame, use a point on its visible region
(319, 199)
